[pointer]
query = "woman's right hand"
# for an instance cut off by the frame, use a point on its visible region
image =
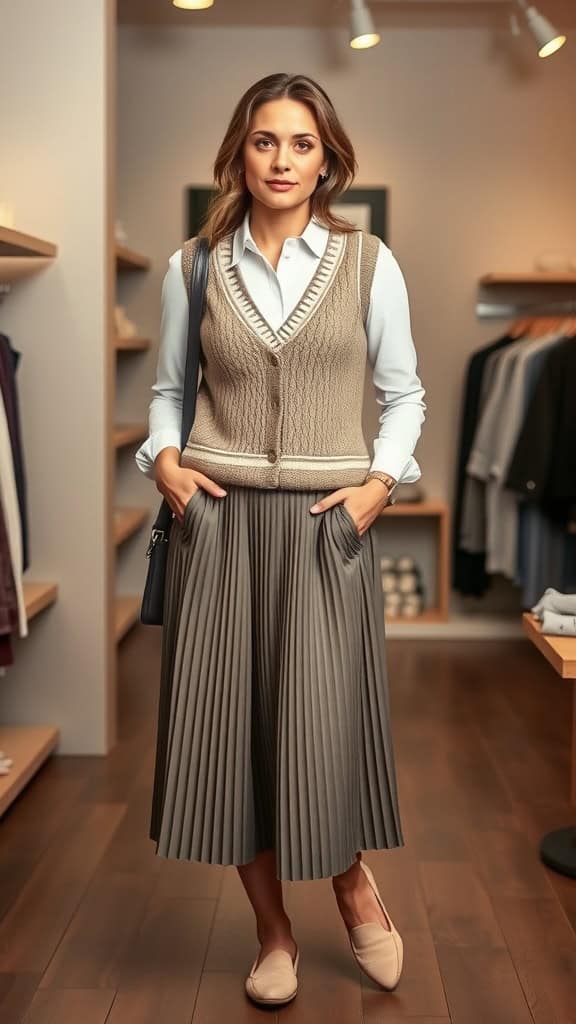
(174, 481)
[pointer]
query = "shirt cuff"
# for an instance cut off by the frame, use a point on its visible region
(388, 460)
(146, 454)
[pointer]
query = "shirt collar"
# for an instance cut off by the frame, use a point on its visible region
(314, 235)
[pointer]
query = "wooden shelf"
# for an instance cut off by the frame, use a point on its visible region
(131, 344)
(127, 614)
(128, 521)
(129, 433)
(15, 243)
(432, 507)
(560, 651)
(428, 615)
(23, 255)
(28, 746)
(530, 277)
(128, 259)
(38, 596)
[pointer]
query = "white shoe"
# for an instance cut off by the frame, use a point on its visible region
(274, 980)
(378, 952)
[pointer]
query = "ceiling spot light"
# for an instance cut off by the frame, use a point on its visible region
(548, 39)
(362, 31)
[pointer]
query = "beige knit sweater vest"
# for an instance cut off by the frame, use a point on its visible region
(283, 409)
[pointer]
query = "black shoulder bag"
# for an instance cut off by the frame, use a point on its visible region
(151, 613)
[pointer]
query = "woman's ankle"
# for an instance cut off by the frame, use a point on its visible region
(349, 878)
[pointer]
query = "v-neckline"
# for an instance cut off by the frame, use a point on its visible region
(245, 307)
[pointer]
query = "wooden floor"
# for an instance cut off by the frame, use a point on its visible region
(94, 927)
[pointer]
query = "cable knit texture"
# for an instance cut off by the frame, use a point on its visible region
(283, 409)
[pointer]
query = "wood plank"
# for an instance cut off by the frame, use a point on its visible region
(428, 615)
(45, 807)
(17, 243)
(129, 259)
(560, 651)
(33, 927)
(16, 268)
(482, 985)
(529, 277)
(128, 521)
(100, 934)
(68, 1006)
(430, 507)
(128, 433)
(131, 344)
(160, 975)
(38, 596)
(16, 994)
(28, 746)
(127, 613)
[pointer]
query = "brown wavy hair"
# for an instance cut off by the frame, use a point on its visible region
(228, 206)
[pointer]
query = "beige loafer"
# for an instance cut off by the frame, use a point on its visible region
(275, 979)
(378, 952)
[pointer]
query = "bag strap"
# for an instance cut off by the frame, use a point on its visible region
(196, 305)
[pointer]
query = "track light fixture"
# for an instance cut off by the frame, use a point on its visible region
(362, 31)
(547, 37)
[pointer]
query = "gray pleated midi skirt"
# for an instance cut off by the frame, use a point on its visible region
(273, 714)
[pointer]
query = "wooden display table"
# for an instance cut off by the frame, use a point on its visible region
(558, 848)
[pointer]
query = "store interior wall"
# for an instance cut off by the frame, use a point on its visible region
(52, 166)
(473, 134)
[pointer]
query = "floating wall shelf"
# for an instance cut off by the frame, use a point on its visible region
(23, 255)
(131, 344)
(128, 521)
(128, 259)
(127, 614)
(129, 433)
(38, 596)
(530, 277)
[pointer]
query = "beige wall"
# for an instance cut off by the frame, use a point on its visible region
(473, 134)
(52, 170)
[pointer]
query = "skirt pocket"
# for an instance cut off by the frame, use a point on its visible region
(354, 542)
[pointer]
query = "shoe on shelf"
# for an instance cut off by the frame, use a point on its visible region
(275, 979)
(378, 952)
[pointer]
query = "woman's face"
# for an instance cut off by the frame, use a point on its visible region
(283, 143)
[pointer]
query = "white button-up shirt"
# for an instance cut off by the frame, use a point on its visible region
(390, 347)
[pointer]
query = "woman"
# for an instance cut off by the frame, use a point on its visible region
(274, 749)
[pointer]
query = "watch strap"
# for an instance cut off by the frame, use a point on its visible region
(390, 482)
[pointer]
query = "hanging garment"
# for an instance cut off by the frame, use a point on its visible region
(9, 499)
(469, 574)
(9, 362)
(543, 465)
(8, 597)
(546, 555)
(491, 453)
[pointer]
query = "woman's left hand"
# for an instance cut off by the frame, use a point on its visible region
(364, 502)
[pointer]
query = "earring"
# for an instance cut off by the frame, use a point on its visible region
(323, 177)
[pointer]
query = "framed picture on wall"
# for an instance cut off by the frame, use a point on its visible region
(366, 208)
(196, 208)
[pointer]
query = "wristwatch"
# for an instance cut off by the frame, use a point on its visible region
(390, 482)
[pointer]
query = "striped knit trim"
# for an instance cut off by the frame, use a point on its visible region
(241, 301)
(226, 457)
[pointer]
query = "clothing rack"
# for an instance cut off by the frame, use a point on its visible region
(504, 310)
